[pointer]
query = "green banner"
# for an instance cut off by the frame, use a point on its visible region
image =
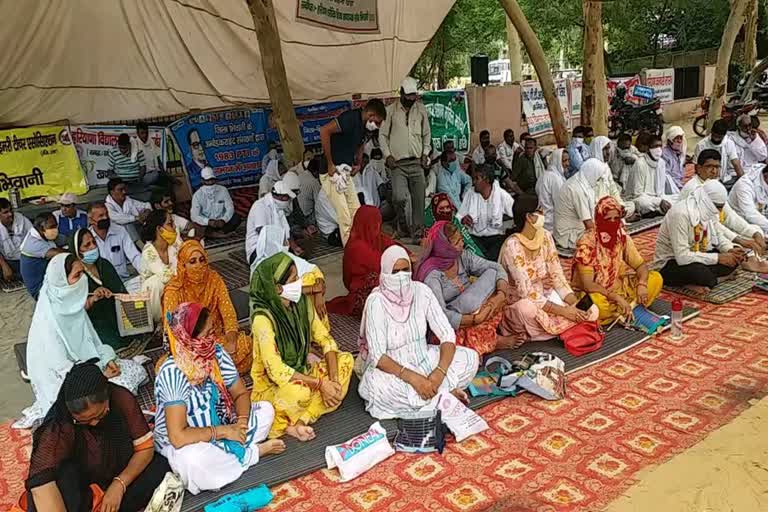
(448, 118)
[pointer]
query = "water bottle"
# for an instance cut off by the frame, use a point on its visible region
(677, 319)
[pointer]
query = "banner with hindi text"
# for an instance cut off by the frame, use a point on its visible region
(535, 106)
(311, 118)
(360, 16)
(662, 81)
(39, 161)
(448, 118)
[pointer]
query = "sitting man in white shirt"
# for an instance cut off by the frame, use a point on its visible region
(113, 241)
(478, 155)
(212, 208)
(750, 146)
(647, 186)
(13, 229)
(749, 196)
(273, 208)
(507, 151)
(483, 210)
(123, 209)
(718, 139)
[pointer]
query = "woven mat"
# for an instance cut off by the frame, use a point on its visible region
(235, 274)
(634, 228)
(723, 292)
(11, 286)
(318, 247)
(235, 237)
(239, 256)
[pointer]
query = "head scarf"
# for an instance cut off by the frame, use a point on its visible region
(292, 322)
(272, 171)
(440, 254)
(196, 284)
(701, 202)
(272, 241)
(436, 200)
(556, 162)
(362, 252)
(597, 145)
(755, 175)
(397, 289)
(588, 175)
(676, 131)
(602, 249)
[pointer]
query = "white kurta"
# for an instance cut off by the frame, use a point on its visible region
(572, 208)
(547, 188)
(386, 395)
(733, 224)
(748, 198)
(750, 152)
(676, 237)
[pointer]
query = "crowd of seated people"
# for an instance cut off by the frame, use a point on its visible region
(485, 276)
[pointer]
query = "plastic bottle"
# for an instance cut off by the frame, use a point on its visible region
(677, 319)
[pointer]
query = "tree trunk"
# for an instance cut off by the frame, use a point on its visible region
(515, 53)
(539, 61)
(750, 35)
(730, 32)
(756, 73)
(264, 21)
(594, 96)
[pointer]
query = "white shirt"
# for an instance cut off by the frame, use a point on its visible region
(506, 153)
(325, 214)
(478, 155)
(745, 201)
(676, 238)
(128, 213)
(728, 153)
(572, 208)
(487, 214)
(733, 225)
(151, 152)
(262, 213)
(10, 241)
(548, 188)
(211, 202)
(118, 249)
(430, 185)
(751, 152)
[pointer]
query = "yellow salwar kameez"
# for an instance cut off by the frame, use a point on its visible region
(293, 401)
(611, 264)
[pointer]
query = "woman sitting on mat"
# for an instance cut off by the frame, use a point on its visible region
(196, 282)
(362, 254)
(472, 308)
(61, 334)
(401, 374)
(441, 209)
(158, 257)
(284, 325)
(693, 252)
(609, 268)
(94, 451)
(272, 241)
(541, 304)
(103, 282)
(206, 425)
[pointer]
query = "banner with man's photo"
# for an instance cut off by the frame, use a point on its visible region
(39, 161)
(93, 144)
(231, 142)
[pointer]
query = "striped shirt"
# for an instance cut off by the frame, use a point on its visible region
(122, 165)
(173, 388)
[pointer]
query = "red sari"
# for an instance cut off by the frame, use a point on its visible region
(362, 261)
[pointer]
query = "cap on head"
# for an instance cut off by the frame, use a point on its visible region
(207, 173)
(284, 189)
(409, 85)
(291, 180)
(67, 198)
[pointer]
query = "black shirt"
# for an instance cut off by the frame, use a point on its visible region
(524, 173)
(344, 144)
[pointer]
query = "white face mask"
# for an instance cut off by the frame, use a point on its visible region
(579, 140)
(371, 126)
(292, 291)
(745, 135)
(284, 206)
(655, 153)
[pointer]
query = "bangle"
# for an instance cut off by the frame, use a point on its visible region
(319, 383)
(438, 368)
(213, 433)
(122, 482)
(400, 375)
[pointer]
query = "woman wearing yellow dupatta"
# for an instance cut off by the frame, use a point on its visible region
(196, 282)
(284, 324)
(608, 266)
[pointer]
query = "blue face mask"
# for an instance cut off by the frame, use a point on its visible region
(453, 166)
(91, 256)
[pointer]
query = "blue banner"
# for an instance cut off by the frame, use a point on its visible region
(311, 118)
(232, 142)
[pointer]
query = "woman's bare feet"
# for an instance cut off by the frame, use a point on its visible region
(701, 290)
(508, 342)
(271, 447)
(301, 432)
(461, 395)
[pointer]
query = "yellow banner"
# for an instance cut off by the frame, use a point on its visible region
(39, 161)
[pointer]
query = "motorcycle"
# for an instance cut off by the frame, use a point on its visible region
(630, 118)
(730, 112)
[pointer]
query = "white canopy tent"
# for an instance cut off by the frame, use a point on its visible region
(91, 61)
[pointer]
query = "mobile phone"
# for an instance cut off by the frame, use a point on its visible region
(585, 303)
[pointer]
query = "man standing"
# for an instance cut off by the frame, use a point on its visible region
(36, 250)
(718, 139)
(13, 230)
(342, 140)
(523, 173)
(212, 208)
(126, 161)
(405, 139)
(507, 150)
(113, 241)
(451, 179)
(69, 217)
(124, 210)
(752, 150)
(578, 151)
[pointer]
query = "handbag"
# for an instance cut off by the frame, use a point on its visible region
(540, 373)
(583, 338)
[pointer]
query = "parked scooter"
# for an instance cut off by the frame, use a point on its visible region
(730, 112)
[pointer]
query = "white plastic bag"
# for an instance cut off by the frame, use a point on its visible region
(360, 453)
(462, 421)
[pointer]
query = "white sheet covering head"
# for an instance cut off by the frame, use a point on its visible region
(701, 202)
(556, 161)
(596, 148)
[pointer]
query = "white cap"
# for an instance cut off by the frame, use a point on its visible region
(409, 85)
(67, 198)
(291, 179)
(283, 188)
(207, 173)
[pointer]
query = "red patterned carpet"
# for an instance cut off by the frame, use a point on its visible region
(630, 412)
